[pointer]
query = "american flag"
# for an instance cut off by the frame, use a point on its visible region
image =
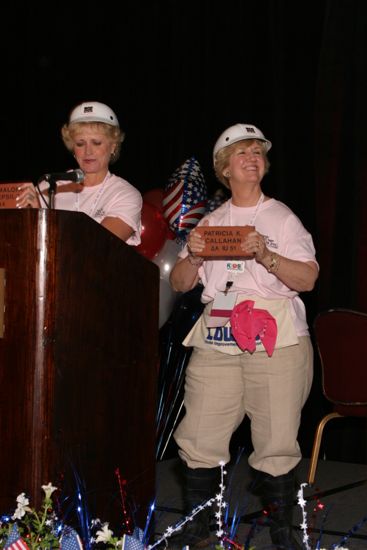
(184, 198)
(216, 200)
(70, 540)
(15, 541)
(138, 533)
(129, 542)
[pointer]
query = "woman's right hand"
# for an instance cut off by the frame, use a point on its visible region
(28, 196)
(195, 242)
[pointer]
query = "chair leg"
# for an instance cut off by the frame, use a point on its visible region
(316, 445)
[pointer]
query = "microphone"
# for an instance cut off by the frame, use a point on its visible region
(76, 176)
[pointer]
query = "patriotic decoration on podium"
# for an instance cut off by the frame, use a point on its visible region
(184, 198)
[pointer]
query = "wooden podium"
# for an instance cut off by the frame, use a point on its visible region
(78, 363)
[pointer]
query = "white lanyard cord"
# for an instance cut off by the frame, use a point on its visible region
(96, 199)
(252, 221)
(231, 275)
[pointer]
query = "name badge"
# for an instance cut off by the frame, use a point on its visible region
(223, 304)
(235, 267)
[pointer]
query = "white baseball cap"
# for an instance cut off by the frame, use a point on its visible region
(237, 133)
(93, 111)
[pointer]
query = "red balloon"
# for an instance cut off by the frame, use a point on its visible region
(154, 231)
(171, 235)
(154, 197)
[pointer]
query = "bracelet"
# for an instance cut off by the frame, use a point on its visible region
(195, 260)
(274, 263)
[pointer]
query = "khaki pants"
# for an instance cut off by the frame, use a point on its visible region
(221, 389)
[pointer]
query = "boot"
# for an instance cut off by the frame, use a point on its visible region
(277, 494)
(200, 484)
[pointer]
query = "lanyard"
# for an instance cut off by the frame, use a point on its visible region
(238, 266)
(96, 199)
(253, 218)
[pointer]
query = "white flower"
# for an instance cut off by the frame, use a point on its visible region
(22, 499)
(49, 489)
(104, 534)
(22, 506)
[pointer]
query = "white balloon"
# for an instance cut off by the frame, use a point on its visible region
(165, 260)
(167, 256)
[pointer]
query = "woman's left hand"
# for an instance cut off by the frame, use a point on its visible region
(28, 196)
(255, 246)
(296, 275)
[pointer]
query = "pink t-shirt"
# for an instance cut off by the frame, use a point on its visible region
(284, 233)
(114, 197)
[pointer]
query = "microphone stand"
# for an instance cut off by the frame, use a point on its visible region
(51, 193)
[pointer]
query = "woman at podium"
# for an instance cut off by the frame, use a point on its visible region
(93, 136)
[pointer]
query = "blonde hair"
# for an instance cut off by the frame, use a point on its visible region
(114, 133)
(221, 161)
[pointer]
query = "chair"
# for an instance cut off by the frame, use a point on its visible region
(340, 336)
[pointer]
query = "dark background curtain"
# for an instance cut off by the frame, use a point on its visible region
(177, 73)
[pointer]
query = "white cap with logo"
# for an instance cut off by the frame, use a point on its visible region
(93, 111)
(239, 132)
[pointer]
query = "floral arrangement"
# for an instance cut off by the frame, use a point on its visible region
(28, 529)
(34, 530)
